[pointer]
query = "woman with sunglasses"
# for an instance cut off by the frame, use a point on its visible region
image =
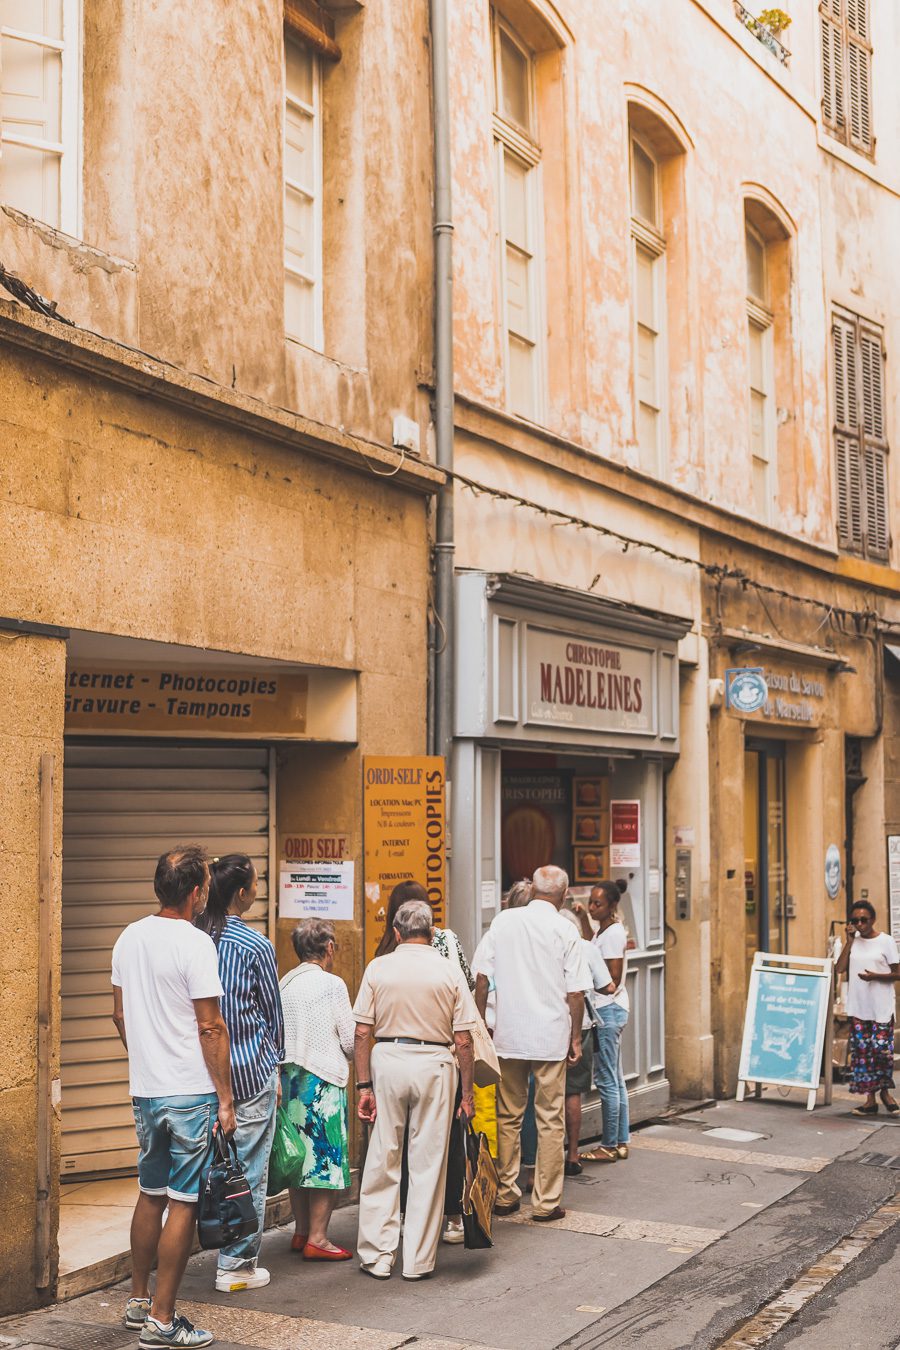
(872, 964)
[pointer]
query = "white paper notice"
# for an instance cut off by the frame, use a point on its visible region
(489, 895)
(315, 890)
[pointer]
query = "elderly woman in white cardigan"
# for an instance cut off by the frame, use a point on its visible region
(318, 1043)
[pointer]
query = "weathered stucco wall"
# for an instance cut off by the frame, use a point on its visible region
(32, 673)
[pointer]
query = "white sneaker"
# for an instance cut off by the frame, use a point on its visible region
(453, 1231)
(232, 1281)
(380, 1269)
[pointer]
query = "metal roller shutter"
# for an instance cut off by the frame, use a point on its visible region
(123, 805)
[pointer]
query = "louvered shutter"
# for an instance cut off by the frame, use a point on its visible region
(847, 446)
(859, 100)
(874, 444)
(832, 66)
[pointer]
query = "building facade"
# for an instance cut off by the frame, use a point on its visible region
(675, 311)
(214, 574)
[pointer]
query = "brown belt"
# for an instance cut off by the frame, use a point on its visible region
(408, 1040)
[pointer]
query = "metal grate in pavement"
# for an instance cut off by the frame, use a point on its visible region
(64, 1334)
(878, 1159)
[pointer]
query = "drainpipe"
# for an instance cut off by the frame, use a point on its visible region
(442, 229)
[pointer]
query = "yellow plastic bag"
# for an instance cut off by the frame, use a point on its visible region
(485, 1121)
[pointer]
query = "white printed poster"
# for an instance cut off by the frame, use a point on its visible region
(311, 890)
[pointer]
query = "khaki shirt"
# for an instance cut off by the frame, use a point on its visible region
(416, 992)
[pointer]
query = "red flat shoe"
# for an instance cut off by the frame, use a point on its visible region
(313, 1253)
(299, 1241)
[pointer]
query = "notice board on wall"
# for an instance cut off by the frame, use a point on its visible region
(404, 834)
(788, 1010)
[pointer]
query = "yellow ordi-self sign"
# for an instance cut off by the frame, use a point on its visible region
(404, 834)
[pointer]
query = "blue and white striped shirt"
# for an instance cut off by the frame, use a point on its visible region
(251, 1006)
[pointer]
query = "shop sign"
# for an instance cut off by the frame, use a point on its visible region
(893, 852)
(625, 834)
(315, 890)
(315, 847)
(788, 1004)
(583, 683)
(404, 833)
(185, 701)
(746, 689)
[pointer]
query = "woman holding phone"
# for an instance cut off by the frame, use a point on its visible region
(872, 963)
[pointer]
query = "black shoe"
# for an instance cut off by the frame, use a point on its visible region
(573, 1169)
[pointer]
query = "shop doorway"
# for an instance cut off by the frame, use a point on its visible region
(123, 804)
(767, 903)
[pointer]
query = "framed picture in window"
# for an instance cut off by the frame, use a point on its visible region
(590, 828)
(591, 864)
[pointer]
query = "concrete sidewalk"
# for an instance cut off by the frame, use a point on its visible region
(630, 1228)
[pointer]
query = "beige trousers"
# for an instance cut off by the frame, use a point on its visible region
(549, 1111)
(415, 1085)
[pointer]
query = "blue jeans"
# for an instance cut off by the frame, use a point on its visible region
(610, 1023)
(174, 1134)
(255, 1132)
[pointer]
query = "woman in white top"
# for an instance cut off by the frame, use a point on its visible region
(318, 1043)
(873, 964)
(610, 1016)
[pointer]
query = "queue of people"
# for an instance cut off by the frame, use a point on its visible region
(214, 1040)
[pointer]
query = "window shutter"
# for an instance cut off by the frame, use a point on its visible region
(849, 495)
(832, 71)
(858, 72)
(877, 533)
(308, 22)
(843, 335)
(858, 18)
(878, 537)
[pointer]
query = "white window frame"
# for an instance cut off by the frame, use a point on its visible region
(509, 138)
(314, 111)
(69, 149)
(760, 317)
(649, 238)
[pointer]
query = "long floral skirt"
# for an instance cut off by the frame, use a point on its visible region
(318, 1111)
(871, 1055)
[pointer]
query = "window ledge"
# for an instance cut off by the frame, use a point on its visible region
(854, 159)
(88, 256)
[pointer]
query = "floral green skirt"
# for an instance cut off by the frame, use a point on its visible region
(318, 1111)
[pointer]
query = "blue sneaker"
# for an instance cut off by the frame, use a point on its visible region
(181, 1332)
(137, 1310)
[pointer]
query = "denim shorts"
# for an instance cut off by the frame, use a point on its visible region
(174, 1134)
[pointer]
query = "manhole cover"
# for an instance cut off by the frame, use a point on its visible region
(67, 1335)
(879, 1160)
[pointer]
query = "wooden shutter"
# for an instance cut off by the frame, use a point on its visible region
(874, 444)
(832, 66)
(859, 100)
(846, 441)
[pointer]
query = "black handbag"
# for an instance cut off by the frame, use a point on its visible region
(225, 1209)
(479, 1188)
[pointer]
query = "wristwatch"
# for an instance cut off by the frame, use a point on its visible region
(360, 1086)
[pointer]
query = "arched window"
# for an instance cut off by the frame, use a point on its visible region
(767, 289)
(657, 149)
(519, 211)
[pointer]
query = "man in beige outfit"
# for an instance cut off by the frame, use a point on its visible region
(540, 974)
(419, 1007)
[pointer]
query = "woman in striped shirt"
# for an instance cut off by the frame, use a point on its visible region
(251, 1007)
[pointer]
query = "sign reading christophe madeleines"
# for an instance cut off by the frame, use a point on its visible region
(587, 683)
(404, 834)
(182, 700)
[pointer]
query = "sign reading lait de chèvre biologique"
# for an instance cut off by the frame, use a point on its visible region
(588, 684)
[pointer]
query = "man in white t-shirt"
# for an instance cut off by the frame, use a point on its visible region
(536, 962)
(165, 977)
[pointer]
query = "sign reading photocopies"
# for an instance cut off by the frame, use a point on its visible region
(788, 1004)
(404, 834)
(315, 890)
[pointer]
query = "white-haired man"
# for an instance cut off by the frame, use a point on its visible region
(419, 1008)
(536, 962)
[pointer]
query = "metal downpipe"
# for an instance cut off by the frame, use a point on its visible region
(442, 229)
